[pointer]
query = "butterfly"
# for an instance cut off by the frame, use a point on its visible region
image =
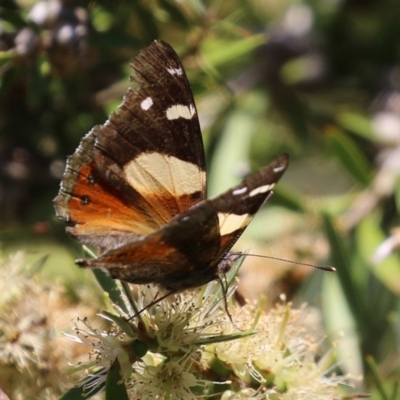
(136, 186)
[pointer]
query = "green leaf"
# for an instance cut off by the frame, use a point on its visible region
(341, 325)
(233, 147)
(37, 266)
(79, 393)
(175, 13)
(218, 54)
(341, 260)
(356, 123)
(110, 286)
(288, 198)
(6, 56)
(15, 17)
(124, 325)
(35, 85)
(378, 380)
(75, 393)
(126, 290)
(396, 193)
(369, 237)
(115, 387)
(225, 338)
(8, 79)
(352, 158)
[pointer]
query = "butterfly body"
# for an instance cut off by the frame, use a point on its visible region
(136, 186)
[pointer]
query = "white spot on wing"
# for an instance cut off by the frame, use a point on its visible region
(175, 71)
(180, 111)
(157, 174)
(261, 189)
(146, 103)
(279, 169)
(229, 223)
(239, 191)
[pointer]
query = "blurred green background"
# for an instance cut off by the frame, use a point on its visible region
(317, 79)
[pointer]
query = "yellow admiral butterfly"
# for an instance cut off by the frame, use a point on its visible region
(136, 186)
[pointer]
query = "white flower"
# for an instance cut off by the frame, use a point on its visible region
(283, 356)
(168, 380)
(106, 348)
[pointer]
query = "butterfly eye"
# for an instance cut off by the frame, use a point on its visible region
(227, 262)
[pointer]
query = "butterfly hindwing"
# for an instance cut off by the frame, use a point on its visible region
(190, 249)
(237, 207)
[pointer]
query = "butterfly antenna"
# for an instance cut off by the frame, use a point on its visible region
(329, 269)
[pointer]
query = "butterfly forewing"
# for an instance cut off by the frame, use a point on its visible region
(154, 144)
(99, 213)
(144, 165)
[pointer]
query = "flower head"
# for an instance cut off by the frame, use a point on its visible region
(31, 309)
(283, 356)
(167, 380)
(182, 348)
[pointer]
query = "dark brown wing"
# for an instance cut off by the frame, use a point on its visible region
(146, 164)
(188, 250)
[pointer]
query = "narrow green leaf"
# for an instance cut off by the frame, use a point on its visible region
(225, 338)
(79, 393)
(129, 297)
(341, 260)
(369, 238)
(115, 387)
(110, 286)
(218, 54)
(356, 123)
(6, 56)
(288, 198)
(176, 14)
(352, 158)
(378, 381)
(37, 266)
(124, 325)
(36, 85)
(293, 110)
(75, 393)
(341, 325)
(233, 147)
(396, 193)
(15, 17)
(8, 79)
